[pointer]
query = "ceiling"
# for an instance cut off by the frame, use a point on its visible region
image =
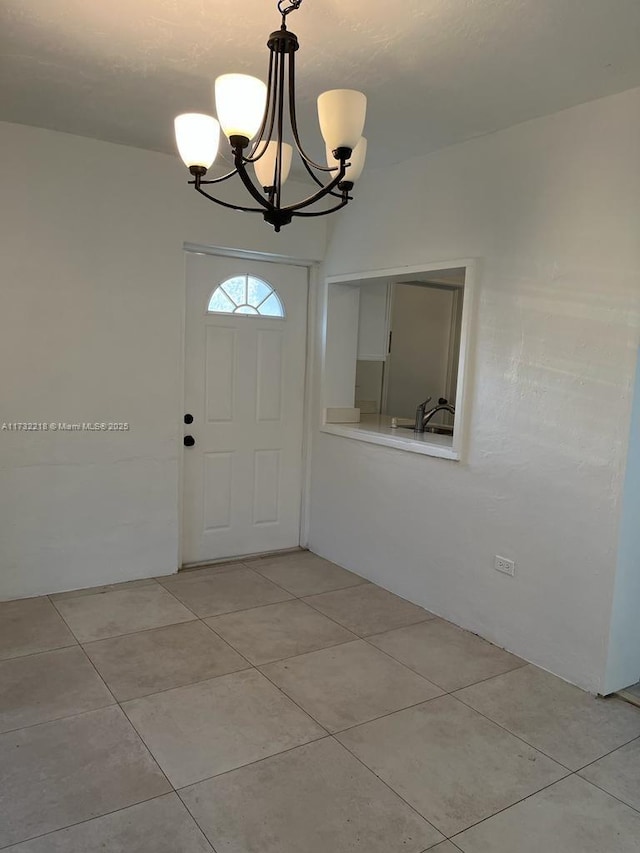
(436, 71)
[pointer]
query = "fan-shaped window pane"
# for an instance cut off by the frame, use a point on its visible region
(257, 291)
(271, 307)
(236, 288)
(248, 295)
(221, 302)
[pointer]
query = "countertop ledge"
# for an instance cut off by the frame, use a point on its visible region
(377, 430)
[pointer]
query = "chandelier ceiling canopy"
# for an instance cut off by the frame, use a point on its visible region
(252, 117)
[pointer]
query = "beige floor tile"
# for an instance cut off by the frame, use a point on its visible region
(98, 590)
(446, 655)
(277, 631)
(162, 825)
(150, 661)
(110, 614)
(39, 688)
(306, 573)
(368, 609)
(29, 626)
(349, 684)
(207, 728)
(315, 799)
(67, 771)
(225, 592)
(619, 774)
(445, 847)
(570, 817)
(563, 721)
(452, 765)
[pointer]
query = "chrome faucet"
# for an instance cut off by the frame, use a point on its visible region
(423, 417)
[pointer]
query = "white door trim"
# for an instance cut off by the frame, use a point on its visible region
(312, 265)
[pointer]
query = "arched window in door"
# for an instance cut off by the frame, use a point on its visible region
(246, 294)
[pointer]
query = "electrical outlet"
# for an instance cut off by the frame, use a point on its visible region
(507, 567)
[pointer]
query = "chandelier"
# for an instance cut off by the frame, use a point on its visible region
(252, 117)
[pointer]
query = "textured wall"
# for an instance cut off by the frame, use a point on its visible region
(92, 296)
(551, 209)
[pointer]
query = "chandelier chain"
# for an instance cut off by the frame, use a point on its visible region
(285, 7)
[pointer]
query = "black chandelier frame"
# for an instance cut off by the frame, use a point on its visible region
(282, 45)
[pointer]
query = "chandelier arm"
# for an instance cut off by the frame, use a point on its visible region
(317, 179)
(268, 111)
(280, 103)
(246, 180)
(343, 203)
(226, 203)
(215, 180)
(292, 208)
(294, 119)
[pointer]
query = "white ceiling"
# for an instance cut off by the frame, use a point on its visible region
(436, 71)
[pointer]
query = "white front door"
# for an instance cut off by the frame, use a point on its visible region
(244, 387)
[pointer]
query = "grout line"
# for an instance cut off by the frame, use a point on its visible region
(146, 746)
(102, 589)
(85, 643)
(250, 764)
(508, 731)
(351, 639)
(607, 754)
(141, 631)
(388, 714)
(195, 820)
(72, 645)
(445, 691)
(293, 701)
(82, 713)
(305, 599)
(510, 806)
(394, 792)
(87, 820)
(92, 665)
(608, 793)
(122, 702)
(126, 716)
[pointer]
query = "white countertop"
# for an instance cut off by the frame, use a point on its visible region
(377, 429)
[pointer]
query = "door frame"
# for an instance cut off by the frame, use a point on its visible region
(313, 267)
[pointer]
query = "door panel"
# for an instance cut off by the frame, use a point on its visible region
(244, 385)
(219, 363)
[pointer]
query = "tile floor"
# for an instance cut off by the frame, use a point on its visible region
(284, 705)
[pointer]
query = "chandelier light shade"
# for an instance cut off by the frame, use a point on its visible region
(257, 118)
(341, 113)
(197, 138)
(265, 166)
(240, 103)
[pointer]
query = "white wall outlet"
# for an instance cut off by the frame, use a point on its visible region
(507, 567)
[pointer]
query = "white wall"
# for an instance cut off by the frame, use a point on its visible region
(343, 307)
(421, 320)
(91, 316)
(623, 665)
(373, 323)
(551, 208)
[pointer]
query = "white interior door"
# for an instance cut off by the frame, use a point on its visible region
(244, 387)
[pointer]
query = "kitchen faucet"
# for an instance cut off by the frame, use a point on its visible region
(423, 417)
